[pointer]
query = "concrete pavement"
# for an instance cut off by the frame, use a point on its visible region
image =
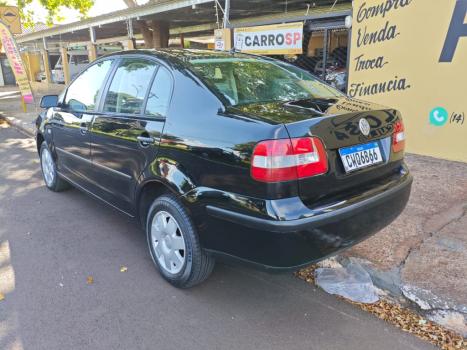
(420, 259)
(10, 105)
(422, 255)
(51, 242)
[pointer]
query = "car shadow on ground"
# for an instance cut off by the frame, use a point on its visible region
(53, 242)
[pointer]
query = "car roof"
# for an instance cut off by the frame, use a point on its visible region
(182, 56)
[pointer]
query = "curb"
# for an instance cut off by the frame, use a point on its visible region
(17, 124)
(425, 303)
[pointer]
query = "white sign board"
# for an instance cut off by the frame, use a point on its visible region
(219, 44)
(277, 39)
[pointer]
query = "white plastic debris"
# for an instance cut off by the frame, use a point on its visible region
(330, 263)
(351, 282)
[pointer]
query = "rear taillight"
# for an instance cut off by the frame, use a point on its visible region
(398, 137)
(288, 159)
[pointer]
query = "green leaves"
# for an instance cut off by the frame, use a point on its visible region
(53, 8)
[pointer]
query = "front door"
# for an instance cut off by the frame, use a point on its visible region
(126, 135)
(71, 120)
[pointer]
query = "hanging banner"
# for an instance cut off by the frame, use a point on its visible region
(16, 63)
(411, 55)
(276, 39)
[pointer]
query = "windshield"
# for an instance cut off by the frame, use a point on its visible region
(256, 80)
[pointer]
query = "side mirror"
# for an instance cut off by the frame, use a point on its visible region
(48, 101)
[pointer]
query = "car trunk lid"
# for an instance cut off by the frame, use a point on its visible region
(337, 123)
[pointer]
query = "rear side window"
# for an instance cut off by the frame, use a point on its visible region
(83, 93)
(129, 86)
(159, 96)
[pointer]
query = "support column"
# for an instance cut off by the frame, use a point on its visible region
(182, 40)
(28, 66)
(65, 65)
(92, 52)
(45, 60)
(160, 34)
(227, 14)
(130, 44)
(325, 53)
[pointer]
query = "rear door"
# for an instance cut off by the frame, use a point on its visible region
(126, 134)
(71, 121)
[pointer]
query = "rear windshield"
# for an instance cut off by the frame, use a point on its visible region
(257, 80)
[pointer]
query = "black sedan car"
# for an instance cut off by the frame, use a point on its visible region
(225, 156)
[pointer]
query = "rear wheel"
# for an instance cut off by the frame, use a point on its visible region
(174, 244)
(49, 171)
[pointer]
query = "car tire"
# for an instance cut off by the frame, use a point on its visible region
(49, 171)
(174, 246)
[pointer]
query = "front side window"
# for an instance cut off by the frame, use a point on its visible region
(83, 93)
(242, 80)
(159, 96)
(129, 86)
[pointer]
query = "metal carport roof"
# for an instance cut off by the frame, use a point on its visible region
(190, 16)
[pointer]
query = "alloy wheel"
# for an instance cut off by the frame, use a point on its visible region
(167, 242)
(47, 167)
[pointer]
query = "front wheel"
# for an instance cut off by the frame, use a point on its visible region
(174, 244)
(49, 171)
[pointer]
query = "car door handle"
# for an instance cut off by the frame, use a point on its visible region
(83, 128)
(145, 140)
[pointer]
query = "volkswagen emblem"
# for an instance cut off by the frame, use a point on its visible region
(364, 126)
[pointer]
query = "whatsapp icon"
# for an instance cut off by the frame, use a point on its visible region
(438, 116)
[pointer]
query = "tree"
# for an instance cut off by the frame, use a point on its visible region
(53, 9)
(155, 33)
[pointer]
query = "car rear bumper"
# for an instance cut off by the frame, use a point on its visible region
(313, 234)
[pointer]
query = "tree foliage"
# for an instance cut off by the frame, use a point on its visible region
(53, 9)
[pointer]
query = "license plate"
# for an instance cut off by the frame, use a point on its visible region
(360, 156)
